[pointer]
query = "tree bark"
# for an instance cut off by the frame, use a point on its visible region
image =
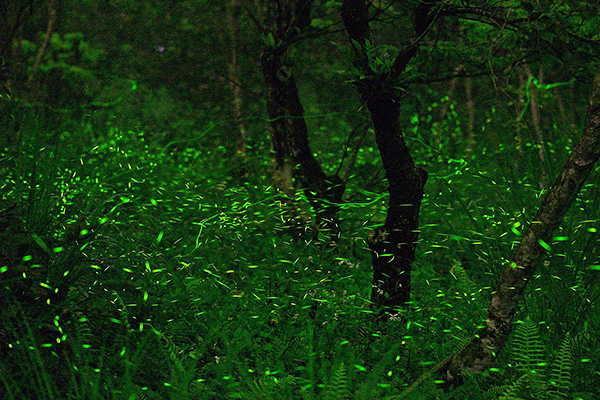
(234, 75)
(471, 114)
(538, 128)
(294, 159)
(478, 355)
(392, 245)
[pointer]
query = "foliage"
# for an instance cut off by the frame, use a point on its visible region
(295, 315)
(529, 376)
(136, 262)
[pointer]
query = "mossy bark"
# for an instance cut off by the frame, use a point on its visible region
(479, 354)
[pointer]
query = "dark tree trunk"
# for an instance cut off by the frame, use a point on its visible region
(12, 14)
(283, 116)
(293, 157)
(478, 355)
(393, 245)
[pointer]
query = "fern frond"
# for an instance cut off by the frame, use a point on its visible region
(337, 387)
(495, 392)
(512, 392)
(142, 395)
(83, 329)
(528, 350)
(269, 388)
(560, 373)
(464, 282)
(123, 310)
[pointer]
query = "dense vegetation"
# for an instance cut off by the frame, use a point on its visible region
(149, 251)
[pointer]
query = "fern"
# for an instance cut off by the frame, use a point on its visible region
(511, 392)
(528, 353)
(83, 331)
(528, 350)
(464, 282)
(269, 388)
(560, 373)
(278, 348)
(183, 366)
(123, 311)
(534, 382)
(337, 387)
(495, 392)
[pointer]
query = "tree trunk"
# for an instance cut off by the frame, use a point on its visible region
(478, 355)
(234, 77)
(392, 245)
(285, 113)
(52, 14)
(438, 128)
(471, 114)
(12, 14)
(538, 128)
(289, 133)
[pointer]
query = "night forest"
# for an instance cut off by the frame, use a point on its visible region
(299, 199)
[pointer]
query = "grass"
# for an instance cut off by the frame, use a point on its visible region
(137, 270)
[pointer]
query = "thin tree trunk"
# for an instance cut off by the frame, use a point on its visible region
(479, 354)
(437, 140)
(234, 77)
(561, 108)
(471, 114)
(52, 14)
(538, 129)
(11, 17)
(519, 142)
(352, 159)
(449, 95)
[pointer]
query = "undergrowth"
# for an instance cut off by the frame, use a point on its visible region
(132, 270)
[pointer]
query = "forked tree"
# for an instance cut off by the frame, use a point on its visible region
(383, 82)
(393, 245)
(282, 23)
